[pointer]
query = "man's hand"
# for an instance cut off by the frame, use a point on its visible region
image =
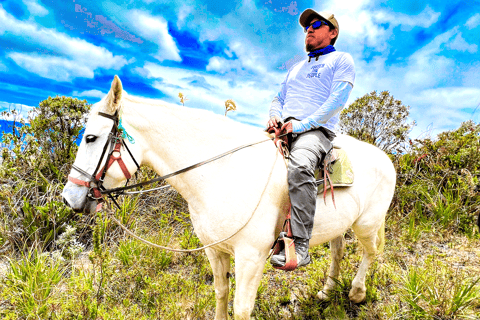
(274, 122)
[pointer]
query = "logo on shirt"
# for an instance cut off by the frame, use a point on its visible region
(315, 73)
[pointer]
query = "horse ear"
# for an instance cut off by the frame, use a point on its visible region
(115, 95)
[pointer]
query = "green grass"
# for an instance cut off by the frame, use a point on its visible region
(425, 272)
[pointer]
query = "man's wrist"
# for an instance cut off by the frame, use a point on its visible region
(297, 126)
(274, 114)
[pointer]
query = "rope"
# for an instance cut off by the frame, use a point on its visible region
(208, 245)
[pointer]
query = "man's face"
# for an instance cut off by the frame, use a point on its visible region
(319, 38)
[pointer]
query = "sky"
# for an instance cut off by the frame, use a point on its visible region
(425, 53)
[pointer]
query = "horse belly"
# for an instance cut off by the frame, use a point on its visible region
(332, 220)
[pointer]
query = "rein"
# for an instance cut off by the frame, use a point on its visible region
(114, 144)
(208, 245)
(98, 179)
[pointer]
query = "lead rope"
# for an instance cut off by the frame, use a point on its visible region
(208, 245)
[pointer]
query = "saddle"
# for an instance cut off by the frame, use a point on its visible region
(339, 168)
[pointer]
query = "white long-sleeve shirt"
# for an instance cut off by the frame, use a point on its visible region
(315, 92)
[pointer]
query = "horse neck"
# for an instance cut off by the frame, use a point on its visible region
(174, 137)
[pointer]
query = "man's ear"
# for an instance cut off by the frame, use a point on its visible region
(334, 34)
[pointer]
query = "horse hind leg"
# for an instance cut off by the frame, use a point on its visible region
(371, 244)
(220, 263)
(337, 247)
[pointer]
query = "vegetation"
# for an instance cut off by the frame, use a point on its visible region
(55, 264)
(182, 98)
(379, 119)
(230, 106)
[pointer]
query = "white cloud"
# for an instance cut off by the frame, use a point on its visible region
(183, 13)
(441, 109)
(363, 23)
(451, 98)
(460, 44)
(56, 68)
(89, 93)
(473, 22)
(424, 19)
(35, 8)
(75, 57)
(249, 97)
(222, 65)
(3, 68)
(155, 29)
(21, 109)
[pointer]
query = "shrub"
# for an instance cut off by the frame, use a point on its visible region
(439, 179)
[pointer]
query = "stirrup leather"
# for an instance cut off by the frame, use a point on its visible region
(285, 242)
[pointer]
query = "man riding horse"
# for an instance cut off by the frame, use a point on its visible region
(308, 108)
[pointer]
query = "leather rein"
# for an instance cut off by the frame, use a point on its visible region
(114, 145)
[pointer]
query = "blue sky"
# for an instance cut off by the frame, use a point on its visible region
(424, 52)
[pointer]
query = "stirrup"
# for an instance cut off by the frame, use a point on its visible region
(285, 242)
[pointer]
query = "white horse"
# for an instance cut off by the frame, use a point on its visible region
(247, 186)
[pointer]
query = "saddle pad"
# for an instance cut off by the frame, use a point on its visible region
(341, 171)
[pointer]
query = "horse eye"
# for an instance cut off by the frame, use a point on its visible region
(90, 138)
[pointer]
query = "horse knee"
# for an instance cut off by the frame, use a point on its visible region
(221, 292)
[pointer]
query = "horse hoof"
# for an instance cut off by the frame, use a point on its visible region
(357, 295)
(322, 295)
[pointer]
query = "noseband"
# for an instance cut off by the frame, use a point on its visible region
(112, 146)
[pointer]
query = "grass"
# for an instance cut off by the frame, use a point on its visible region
(433, 277)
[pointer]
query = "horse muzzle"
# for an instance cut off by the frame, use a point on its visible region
(77, 199)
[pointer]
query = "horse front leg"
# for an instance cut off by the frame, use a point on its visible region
(337, 247)
(248, 273)
(220, 263)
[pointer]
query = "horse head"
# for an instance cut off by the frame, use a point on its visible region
(99, 164)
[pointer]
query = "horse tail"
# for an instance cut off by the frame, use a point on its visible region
(381, 237)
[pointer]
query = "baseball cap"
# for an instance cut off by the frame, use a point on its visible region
(309, 14)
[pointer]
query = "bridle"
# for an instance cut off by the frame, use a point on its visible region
(113, 146)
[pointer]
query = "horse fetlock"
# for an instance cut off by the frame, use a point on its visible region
(242, 315)
(221, 315)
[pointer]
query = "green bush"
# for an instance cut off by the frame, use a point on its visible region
(48, 144)
(438, 180)
(36, 160)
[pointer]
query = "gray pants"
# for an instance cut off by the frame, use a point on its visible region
(306, 154)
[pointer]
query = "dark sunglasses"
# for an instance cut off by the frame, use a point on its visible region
(316, 25)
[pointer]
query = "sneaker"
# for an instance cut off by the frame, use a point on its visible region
(278, 260)
(301, 249)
